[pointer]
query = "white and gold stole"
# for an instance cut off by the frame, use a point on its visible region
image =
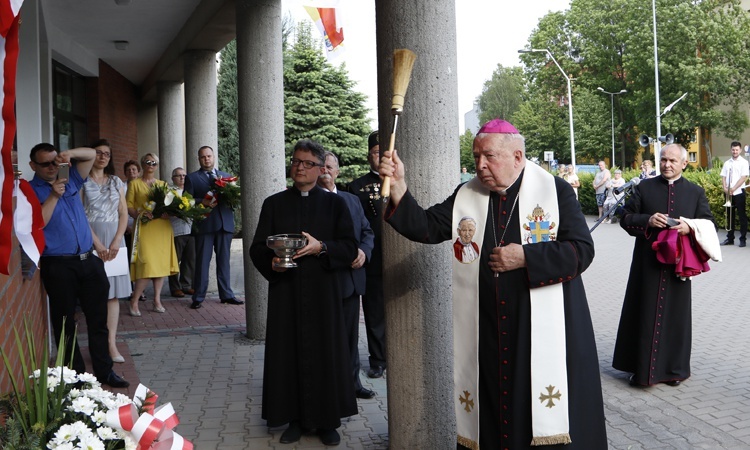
(539, 218)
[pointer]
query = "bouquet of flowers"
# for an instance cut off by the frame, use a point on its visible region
(226, 190)
(163, 200)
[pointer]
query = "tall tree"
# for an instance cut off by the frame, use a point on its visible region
(466, 144)
(501, 94)
(319, 101)
(544, 124)
(703, 50)
(321, 104)
(226, 97)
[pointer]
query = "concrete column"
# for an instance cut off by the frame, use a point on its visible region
(171, 124)
(417, 277)
(33, 110)
(260, 92)
(201, 127)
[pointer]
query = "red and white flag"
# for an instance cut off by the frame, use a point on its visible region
(28, 221)
(326, 15)
(9, 58)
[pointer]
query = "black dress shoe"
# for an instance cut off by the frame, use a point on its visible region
(631, 381)
(233, 301)
(364, 393)
(728, 242)
(375, 372)
(742, 244)
(673, 382)
(329, 437)
(115, 381)
(196, 305)
(292, 433)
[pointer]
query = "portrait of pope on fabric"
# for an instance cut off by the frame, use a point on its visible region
(465, 249)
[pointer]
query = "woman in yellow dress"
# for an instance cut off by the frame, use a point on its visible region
(153, 241)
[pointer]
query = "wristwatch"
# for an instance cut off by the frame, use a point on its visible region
(323, 249)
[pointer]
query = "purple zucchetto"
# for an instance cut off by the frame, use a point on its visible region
(498, 126)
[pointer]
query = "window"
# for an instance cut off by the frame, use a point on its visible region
(69, 109)
(693, 157)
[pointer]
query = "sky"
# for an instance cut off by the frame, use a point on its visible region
(488, 33)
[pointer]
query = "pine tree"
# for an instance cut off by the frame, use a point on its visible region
(226, 96)
(321, 104)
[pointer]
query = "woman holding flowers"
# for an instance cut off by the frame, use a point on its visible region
(104, 201)
(154, 256)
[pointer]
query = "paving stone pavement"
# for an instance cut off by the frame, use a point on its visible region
(202, 363)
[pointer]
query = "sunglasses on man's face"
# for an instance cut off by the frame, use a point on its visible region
(46, 164)
(150, 163)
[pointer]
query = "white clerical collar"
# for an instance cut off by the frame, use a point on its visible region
(376, 173)
(672, 181)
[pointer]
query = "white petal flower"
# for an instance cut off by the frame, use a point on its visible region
(80, 429)
(91, 442)
(52, 383)
(69, 375)
(130, 443)
(99, 417)
(88, 378)
(65, 433)
(168, 198)
(107, 433)
(83, 405)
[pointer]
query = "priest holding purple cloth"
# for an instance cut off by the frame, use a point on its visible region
(526, 371)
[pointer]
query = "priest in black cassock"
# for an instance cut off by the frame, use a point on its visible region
(655, 332)
(306, 377)
(526, 371)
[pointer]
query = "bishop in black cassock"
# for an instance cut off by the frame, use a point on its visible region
(505, 417)
(655, 332)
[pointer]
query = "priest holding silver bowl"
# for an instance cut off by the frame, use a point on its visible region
(307, 380)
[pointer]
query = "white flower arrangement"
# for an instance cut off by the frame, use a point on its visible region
(57, 408)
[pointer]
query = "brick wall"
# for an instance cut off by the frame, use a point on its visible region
(20, 299)
(112, 114)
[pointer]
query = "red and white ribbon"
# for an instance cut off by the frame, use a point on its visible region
(154, 432)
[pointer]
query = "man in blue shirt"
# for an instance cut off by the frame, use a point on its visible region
(69, 270)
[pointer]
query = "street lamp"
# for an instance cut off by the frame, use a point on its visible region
(612, 103)
(570, 100)
(657, 144)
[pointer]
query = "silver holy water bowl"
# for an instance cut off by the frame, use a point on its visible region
(285, 246)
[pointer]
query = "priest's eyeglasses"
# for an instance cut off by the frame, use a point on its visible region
(306, 164)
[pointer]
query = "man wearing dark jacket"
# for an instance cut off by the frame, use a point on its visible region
(214, 232)
(367, 188)
(352, 281)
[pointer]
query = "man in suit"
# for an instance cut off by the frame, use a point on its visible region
(214, 233)
(367, 188)
(353, 281)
